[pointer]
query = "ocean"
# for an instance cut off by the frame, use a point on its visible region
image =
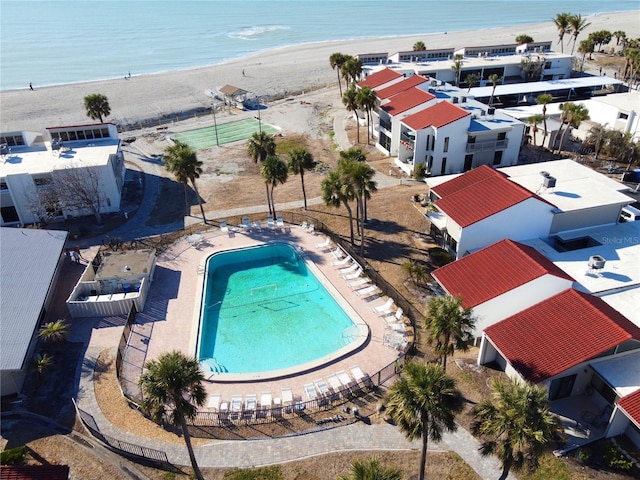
(65, 41)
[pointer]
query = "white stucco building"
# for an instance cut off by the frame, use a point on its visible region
(33, 165)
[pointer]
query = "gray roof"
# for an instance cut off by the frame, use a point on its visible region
(28, 262)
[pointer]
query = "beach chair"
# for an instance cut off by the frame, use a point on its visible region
(346, 381)
(384, 309)
(223, 226)
(310, 391)
(367, 291)
(214, 402)
(358, 282)
(280, 222)
(250, 406)
(270, 223)
(311, 229)
(336, 386)
(349, 269)
(323, 245)
(257, 225)
(223, 413)
(361, 377)
(287, 399)
(354, 275)
(246, 224)
(342, 262)
(265, 405)
(338, 253)
(304, 225)
(323, 389)
(236, 406)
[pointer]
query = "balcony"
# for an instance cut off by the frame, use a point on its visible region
(408, 141)
(491, 145)
(385, 124)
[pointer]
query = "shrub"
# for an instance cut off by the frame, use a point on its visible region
(440, 256)
(583, 455)
(13, 456)
(419, 171)
(264, 473)
(615, 458)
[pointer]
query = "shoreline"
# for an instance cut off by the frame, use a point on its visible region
(273, 72)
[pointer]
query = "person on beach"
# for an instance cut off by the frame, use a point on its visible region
(243, 72)
(30, 86)
(76, 256)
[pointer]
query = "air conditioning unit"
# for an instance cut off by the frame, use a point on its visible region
(596, 262)
(549, 181)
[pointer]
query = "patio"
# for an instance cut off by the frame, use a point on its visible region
(582, 419)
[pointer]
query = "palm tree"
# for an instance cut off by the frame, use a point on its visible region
(597, 137)
(457, 67)
(352, 69)
(301, 160)
(275, 172)
(516, 423)
(337, 191)
(470, 80)
(54, 332)
(575, 114)
(172, 387)
(586, 46)
(360, 175)
(564, 26)
(260, 146)
(494, 79)
(366, 100)
(544, 99)
(423, 403)
(350, 101)
(336, 60)
(355, 154)
(524, 38)
(97, 106)
(371, 469)
(578, 24)
(419, 46)
(620, 36)
(534, 121)
(448, 326)
(183, 162)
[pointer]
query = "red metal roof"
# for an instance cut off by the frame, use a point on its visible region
(438, 116)
(461, 182)
(34, 472)
(559, 333)
(493, 271)
(412, 81)
(631, 405)
(406, 100)
(380, 78)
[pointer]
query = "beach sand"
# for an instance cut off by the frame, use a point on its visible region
(277, 72)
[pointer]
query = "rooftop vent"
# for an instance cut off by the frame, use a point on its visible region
(596, 262)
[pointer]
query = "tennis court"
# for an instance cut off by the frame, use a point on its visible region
(227, 133)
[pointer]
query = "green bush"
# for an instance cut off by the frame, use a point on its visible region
(583, 455)
(615, 458)
(440, 256)
(265, 473)
(419, 171)
(13, 456)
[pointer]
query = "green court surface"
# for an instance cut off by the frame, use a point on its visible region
(227, 133)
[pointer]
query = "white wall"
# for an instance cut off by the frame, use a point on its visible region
(457, 133)
(528, 219)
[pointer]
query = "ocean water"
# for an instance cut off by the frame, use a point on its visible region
(64, 41)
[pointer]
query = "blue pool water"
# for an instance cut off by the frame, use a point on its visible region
(264, 310)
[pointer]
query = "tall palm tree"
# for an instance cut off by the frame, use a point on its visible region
(54, 332)
(337, 191)
(564, 26)
(516, 424)
(97, 106)
(352, 69)
(260, 146)
(457, 66)
(172, 387)
(360, 175)
(423, 403)
(344, 70)
(494, 79)
(275, 172)
(448, 326)
(578, 24)
(366, 99)
(301, 160)
(355, 154)
(534, 121)
(544, 99)
(470, 80)
(349, 99)
(620, 35)
(576, 114)
(336, 60)
(586, 46)
(183, 162)
(371, 469)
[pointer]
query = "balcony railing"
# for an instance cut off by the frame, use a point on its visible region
(487, 146)
(407, 141)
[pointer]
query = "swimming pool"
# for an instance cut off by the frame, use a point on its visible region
(265, 313)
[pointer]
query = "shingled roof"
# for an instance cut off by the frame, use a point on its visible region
(493, 271)
(560, 332)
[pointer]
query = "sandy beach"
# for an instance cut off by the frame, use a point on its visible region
(286, 70)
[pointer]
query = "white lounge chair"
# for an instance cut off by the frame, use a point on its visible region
(338, 253)
(354, 275)
(344, 261)
(310, 391)
(246, 224)
(304, 225)
(257, 225)
(367, 291)
(384, 309)
(280, 222)
(287, 399)
(270, 222)
(322, 387)
(324, 244)
(336, 386)
(361, 377)
(236, 405)
(349, 269)
(345, 380)
(214, 402)
(223, 226)
(359, 282)
(311, 229)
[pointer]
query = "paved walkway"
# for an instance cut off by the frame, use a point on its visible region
(259, 452)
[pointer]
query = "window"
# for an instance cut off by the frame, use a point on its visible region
(443, 168)
(497, 157)
(502, 135)
(446, 144)
(9, 214)
(547, 65)
(471, 139)
(623, 116)
(3, 185)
